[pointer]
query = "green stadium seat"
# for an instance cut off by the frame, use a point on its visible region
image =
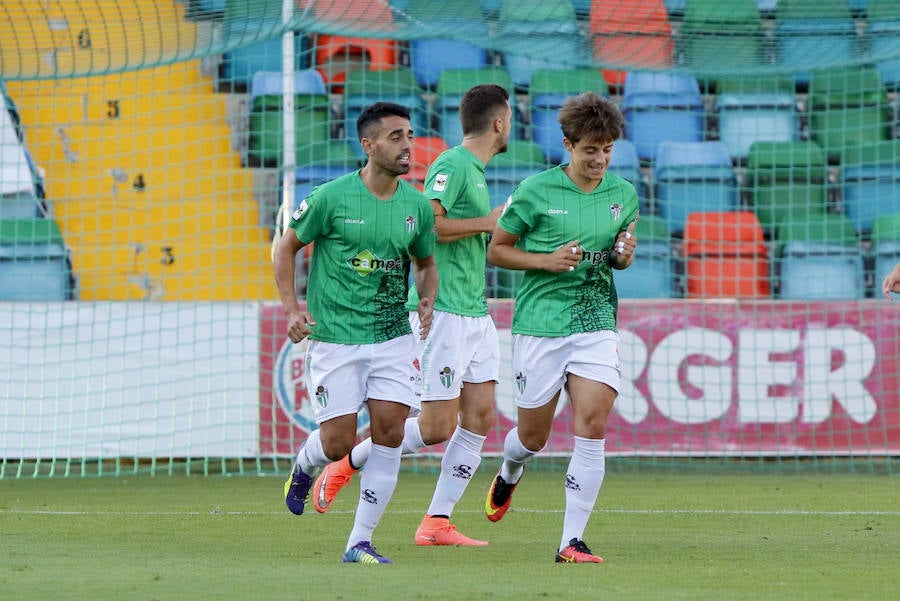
(453, 84)
(35, 264)
(848, 107)
(712, 29)
(818, 258)
(312, 123)
(504, 172)
(786, 181)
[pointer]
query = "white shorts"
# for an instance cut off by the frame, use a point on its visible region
(541, 364)
(341, 377)
(458, 350)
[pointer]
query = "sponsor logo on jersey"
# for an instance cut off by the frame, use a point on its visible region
(440, 182)
(365, 262)
(616, 210)
(595, 257)
(447, 376)
(520, 382)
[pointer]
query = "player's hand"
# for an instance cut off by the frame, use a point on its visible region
(565, 258)
(425, 309)
(626, 241)
(300, 325)
(891, 283)
(494, 215)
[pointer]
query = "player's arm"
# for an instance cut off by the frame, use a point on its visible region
(451, 230)
(299, 322)
(425, 275)
(502, 252)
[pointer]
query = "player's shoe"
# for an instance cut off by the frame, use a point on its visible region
(363, 552)
(440, 532)
(577, 552)
(296, 489)
(333, 478)
(498, 498)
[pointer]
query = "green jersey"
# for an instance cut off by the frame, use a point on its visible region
(547, 211)
(456, 180)
(361, 257)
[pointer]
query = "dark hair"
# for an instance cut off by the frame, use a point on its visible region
(479, 106)
(374, 113)
(591, 116)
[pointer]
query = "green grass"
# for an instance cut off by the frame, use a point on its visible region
(664, 536)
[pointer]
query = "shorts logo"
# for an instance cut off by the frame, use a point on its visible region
(520, 382)
(616, 210)
(462, 471)
(447, 375)
(322, 396)
(410, 224)
(440, 182)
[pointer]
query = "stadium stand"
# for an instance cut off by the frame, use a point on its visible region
(504, 172)
(651, 274)
(885, 249)
(870, 176)
(453, 84)
(749, 109)
(35, 264)
(883, 33)
(725, 255)
(819, 258)
(807, 33)
(711, 29)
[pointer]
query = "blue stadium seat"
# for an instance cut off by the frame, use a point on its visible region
(662, 107)
(819, 258)
(693, 177)
(35, 263)
(306, 81)
(885, 247)
(883, 34)
(870, 182)
(240, 63)
(650, 274)
(749, 109)
(504, 172)
(625, 163)
(810, 34)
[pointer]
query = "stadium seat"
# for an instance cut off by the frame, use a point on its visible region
(693, 177)
(870, 182)
(327, 161)
(504, 172)
(754, 108)
(20, 191)
(885, 247)
(442, 49)
(259, 49)
(337, 55)
(425, 150)
(625, 163)
(650, 274)
(786, 181)
(630, 35)
(883, 33)
(725, 256)
(538, 35)
(453, 84)
(363, 88)
(661, 107)
(812, 34)
(848, 107)
(819, 258)
(548, 90)
(712, 29)
(312, 120)
(34, 261)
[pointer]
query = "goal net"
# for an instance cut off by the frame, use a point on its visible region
(151, 147)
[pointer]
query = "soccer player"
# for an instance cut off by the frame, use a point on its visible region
(891, 282)
(368, 226)
(567, 227)
(461, 358)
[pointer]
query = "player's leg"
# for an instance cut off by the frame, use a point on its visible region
(592, 387)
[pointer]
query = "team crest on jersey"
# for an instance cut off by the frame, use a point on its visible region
(322, 396)
(440, 182)
(616, 210)
(300, 210)
(410, 223)
(520, 382)
(447, 375)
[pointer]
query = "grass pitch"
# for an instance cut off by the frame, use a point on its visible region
(664, 536)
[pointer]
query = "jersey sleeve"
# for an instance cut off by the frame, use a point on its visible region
(426, 238)
(309, 219)
(444, 182)
(518, 216)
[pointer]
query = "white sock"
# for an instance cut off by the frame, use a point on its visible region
(310, 456)
(376, 486)
(412, 442)
(515, 456)
(461, 460)
(584, 476)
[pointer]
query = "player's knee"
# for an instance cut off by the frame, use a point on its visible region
(336, 448)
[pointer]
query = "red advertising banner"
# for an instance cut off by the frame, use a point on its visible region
(714, 377)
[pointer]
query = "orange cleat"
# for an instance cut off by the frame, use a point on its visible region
(577, 552)
(333, 478)
(440, 532)
(498, 498)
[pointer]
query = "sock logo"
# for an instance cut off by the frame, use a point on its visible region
(571, 483)
(462, 471)
(368, 495)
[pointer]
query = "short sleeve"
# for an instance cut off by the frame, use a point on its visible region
(309, 219)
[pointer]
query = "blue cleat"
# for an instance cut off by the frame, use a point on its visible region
(363, 552)
(296, 490)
